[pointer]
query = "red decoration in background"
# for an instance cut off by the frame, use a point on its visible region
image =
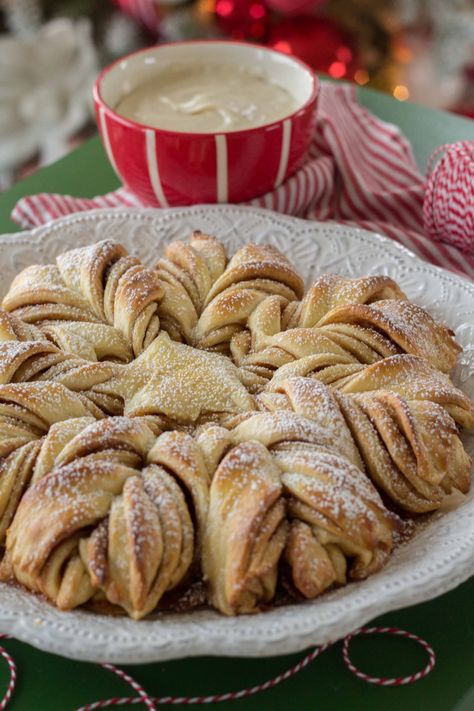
(294, 7)
(242, 19)
(145, 11)
(318, 42)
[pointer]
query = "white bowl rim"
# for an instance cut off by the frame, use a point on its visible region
(130, 123)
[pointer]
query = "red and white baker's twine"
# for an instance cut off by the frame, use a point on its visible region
(12, 680)
(152, 702)
(448, 207)
(385, 681)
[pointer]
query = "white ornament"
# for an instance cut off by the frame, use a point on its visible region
(45, 91)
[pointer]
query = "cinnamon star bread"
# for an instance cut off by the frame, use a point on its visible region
(204, 423)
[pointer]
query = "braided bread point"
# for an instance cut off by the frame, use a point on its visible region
(132, 488)
(343, 513)
(96, 342)
(332, 290)
(253, 273)
(405, 324)
(144, 547)
(119, 289)
(246, 530)
(28, 361)
(414, 379)
(272, 349)
(149, 543)
(43, 541)
(352, 530)
(39, 293)
(26, 415)
(410, 449)
(345, 337)
(186, 274)
(98, 284)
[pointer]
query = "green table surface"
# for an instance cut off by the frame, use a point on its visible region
(50, 683)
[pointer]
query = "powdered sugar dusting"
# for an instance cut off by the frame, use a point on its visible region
(141, 496)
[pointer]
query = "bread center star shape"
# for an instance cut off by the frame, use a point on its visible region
(180, 382)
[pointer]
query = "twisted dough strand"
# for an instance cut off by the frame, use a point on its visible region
(97, 284)
(132, 489)
(246, 530)
(410, 449)
(186, 274)
(332, 506)
(27, 414)
(40, 361)
(253, 273)
(340, 323)
(332, 290)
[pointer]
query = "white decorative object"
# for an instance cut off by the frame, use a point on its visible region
(22, 17)
(437, 559)
(45, 91)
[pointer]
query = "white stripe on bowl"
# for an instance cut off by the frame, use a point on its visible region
(284, 152)
(106, 139)
(221, 168)
(153, 168)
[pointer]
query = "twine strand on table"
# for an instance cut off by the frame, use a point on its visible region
(12, 679)
(386, 681)
(142, 695)
(153, 702)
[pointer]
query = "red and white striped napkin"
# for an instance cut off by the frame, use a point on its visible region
(360, 171)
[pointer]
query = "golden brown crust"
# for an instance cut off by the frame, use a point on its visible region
(253, 273)
(245, 532)
(414, 379)
(100, 284)
(132, 465)
(410, 448)
(405, 324)
(186, 274)
(111, 514)
(332, 290)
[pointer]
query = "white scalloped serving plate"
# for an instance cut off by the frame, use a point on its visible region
(437, 559)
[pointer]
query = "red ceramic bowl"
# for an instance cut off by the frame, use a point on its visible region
(164, 168)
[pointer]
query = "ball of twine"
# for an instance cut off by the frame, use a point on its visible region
(448, 207)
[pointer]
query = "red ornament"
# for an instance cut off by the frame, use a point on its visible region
(319, 42)
(242, 19)
(294, 7)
